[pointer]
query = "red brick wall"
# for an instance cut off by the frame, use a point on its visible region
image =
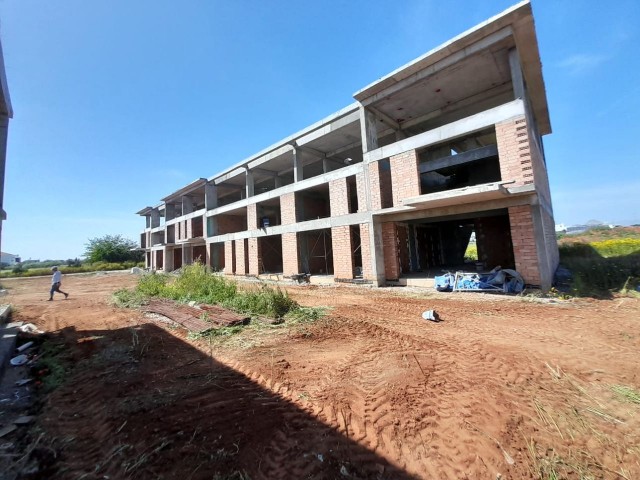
(524, 243)
(365, 246)
(514, 151)
(255, 256)
(390, 250)
(252, 217)
(290, 253)
(288, 208)
(231, 223)
(342, 252)
(229, 258)
(339, 197)
(405, 178)
(241, 265)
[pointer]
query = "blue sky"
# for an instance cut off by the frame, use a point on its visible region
(119, 103)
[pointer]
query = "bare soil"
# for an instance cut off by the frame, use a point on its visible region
(503, 387)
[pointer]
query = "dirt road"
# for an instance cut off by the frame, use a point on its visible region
(501, 388)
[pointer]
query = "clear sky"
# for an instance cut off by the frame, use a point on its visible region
(119, 103)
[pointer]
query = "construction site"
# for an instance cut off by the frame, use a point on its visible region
(391, 189)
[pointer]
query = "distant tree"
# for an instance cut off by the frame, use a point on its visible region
(112, 248)
(73, 262)
(18, 268)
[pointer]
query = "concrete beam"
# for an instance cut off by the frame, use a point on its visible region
(459, 159)
(321, 223)
(293, 187)
(455, 129)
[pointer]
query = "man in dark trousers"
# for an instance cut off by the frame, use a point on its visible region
(56, 281)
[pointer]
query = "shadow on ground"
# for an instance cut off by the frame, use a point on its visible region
(141, 403)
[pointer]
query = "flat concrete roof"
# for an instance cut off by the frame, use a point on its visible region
(519, 19)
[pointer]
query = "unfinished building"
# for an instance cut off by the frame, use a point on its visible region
(393, 186)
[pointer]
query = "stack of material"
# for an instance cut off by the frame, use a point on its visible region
(191, 318)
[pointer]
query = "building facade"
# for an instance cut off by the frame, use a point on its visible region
(394, 185)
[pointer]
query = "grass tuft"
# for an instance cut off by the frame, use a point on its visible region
(627, 393)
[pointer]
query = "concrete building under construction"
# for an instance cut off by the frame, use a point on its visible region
(394, 186)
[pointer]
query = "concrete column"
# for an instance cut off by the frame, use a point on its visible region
(376, 245)
(516, 74)
(297, 165)
(210, 196)
(365, 249)
(187, 205)
(155, 218)
(167, 253)
(368, 130)
(229, 257)
(169, 212)
(250, 183)
(277, 181)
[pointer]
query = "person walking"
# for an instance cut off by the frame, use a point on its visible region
(56, 281)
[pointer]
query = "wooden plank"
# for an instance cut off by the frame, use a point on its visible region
(191, 318)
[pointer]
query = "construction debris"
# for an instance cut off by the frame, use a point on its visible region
(198, 320)
(431, 315)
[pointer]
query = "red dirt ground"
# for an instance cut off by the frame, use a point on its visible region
(502, 388)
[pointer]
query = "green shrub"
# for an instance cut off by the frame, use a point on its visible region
(268, 301)
(602, 267)
(196, 283)
(125, 298)
(152, 285)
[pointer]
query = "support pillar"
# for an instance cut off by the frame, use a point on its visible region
(255, 256)
(290, 265)
(229, 258)
(210, 196)
(241, 265)
(390, 250)
(342, 252)
(405, 177)
(250, 183)
(297, 165)
(168, 259)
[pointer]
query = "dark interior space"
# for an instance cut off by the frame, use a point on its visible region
(313, 203)
(357, 250)
(315, 249)
(200, 254)
(428, 245)
(196, 227)
(461, 162)
(271, 254)
(216, 256)
(177, 258)
(269, 213)
(352, 192)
